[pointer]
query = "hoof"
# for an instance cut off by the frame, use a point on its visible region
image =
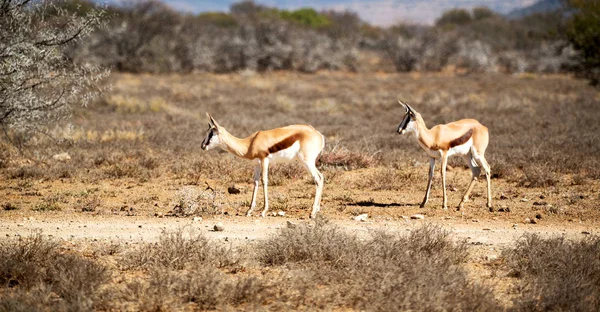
(422, 206)
(491, 209)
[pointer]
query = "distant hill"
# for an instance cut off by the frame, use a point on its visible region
(541, 6)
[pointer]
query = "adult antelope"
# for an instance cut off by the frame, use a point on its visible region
(466, 137)
(300, 142)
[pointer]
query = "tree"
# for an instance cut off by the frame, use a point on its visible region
(584, 34)
(38, 82)
(454, 17)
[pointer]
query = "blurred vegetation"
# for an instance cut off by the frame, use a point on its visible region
(584, 34)
(148, 36)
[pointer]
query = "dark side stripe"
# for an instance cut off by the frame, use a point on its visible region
(462, 139)
(285, 143)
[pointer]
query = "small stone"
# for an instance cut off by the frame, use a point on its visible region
(290, 225)
(417, 216)
(540, 203)
(474, 220)
(527, 220)
(487, 229)
(196, 219)
(542, 196)
(524, 200)
(502, 196)
(140, 226)
(533, 221)
(362, 217)
(538, 216)
(281, 213)
(219, 227)
(21, 224)
(492, 257)
(515, 226)
(586, 232)
(448, 218)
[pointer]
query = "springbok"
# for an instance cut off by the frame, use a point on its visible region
(284, 144)
(466, 137)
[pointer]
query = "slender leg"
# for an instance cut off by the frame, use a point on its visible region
(255, 191)
(444, 163)
(431, 168)
(488, 175)
(475, 172)
(265, 181)
(319, 180)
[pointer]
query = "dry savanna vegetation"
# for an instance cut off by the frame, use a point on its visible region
(135, 152)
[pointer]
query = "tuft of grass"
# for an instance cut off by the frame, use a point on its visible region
(421, 271)
(556, 274)
(10, 206)
(32, 266)
(539, 176)
(51, 203)
(183, 249)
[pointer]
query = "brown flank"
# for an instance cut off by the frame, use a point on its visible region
(461, 140)
(287, 142)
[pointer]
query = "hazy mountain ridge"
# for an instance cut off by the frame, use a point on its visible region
(539, 7)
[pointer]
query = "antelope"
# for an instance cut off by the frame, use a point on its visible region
(467, 138)
(284, 144)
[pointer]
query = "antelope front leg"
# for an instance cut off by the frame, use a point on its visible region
(444, 163)
(255, 191)
(431, 168)
(265, 181)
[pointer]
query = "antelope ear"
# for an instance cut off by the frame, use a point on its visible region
(410, 109)
(212, 121)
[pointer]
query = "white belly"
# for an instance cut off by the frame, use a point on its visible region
(457, 150)
(285, 155)
(461, 149)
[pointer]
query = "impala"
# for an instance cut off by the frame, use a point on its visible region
(301, 142)
(467, 138)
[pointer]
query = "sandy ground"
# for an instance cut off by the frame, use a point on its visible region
(238, 229)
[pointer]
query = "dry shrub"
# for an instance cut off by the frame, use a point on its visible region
(27, 172)
(341, 157)
(191, 201)
(183, 249)
(421, 271)
(34, 265)
(89, 203)
(168, 290)
(538, 176)
(556, 274)
(388, 179)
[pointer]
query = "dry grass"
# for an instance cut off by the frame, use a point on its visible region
(35, 274)
(556, 274)
(387, 272)
(540, 128)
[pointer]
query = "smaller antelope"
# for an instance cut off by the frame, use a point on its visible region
(284, 144)
(466, 137)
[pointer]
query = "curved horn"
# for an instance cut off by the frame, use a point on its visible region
(404, 105)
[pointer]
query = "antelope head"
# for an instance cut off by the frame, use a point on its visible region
(211, 139)
(408, 121)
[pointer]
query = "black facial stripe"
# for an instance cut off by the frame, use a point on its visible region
(404, 122)
(207, 139)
